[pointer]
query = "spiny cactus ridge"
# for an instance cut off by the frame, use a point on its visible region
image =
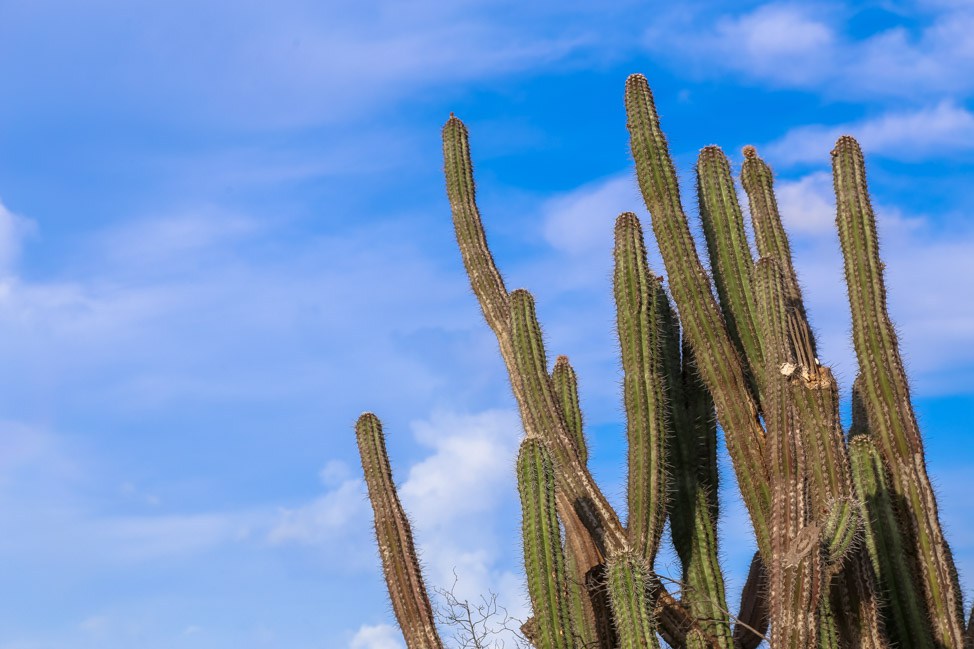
(851, 554)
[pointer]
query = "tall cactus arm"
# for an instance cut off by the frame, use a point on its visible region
(484, 277)
(544, 558)
(731, 261)
(404, 580)
(754, 616)
(769, 232)
(886, 394)
(906, 620)
(641, 306)
(720, 364)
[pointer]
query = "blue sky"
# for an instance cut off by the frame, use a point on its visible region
(223, 235)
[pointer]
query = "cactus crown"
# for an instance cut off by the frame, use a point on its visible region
(850, 548)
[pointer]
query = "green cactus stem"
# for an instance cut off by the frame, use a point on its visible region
(730, 253)
(544, 558)
(591, 616)
(641, 305)
(404, 579)
(628, 576)
(720, 364)
(566, 389)
(544, 419)
(769, 232)
(905, 613)
(886, 395)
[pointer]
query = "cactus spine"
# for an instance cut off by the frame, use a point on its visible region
(846, 529)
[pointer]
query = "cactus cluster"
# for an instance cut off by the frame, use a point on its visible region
(850, 548)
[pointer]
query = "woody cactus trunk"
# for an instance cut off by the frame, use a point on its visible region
(850, 548)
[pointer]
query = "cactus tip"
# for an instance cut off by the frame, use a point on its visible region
(749, 151)
(845, 142)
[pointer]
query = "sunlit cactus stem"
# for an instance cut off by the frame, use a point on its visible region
(404, 580)
(641, 308)
(886, 395)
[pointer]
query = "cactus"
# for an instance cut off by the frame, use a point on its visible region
(850, 549)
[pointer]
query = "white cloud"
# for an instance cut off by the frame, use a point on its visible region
(295, 64)
(580, 221)
(378, 636)
(326, 518)
(470, 465)
(806, 46)
(912, 135)
(807, 204)
(13, 229)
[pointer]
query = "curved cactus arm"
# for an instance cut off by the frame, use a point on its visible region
(565, 382)
(628, 575)
(731, 261)
(754, 616)
(485, 279)
(544, 557)
(404, 579)
(886, 394)
(769, 232)
(582, 507)
(720, 364)
(906, 620)
(641, 306)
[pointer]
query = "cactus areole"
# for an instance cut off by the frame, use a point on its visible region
(851, 552)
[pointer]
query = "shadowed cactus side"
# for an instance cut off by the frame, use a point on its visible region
(850, 549)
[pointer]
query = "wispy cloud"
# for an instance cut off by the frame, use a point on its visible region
(378, 636)
(297, 64)
(936, 131)
(13, 229)
(924, 52)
